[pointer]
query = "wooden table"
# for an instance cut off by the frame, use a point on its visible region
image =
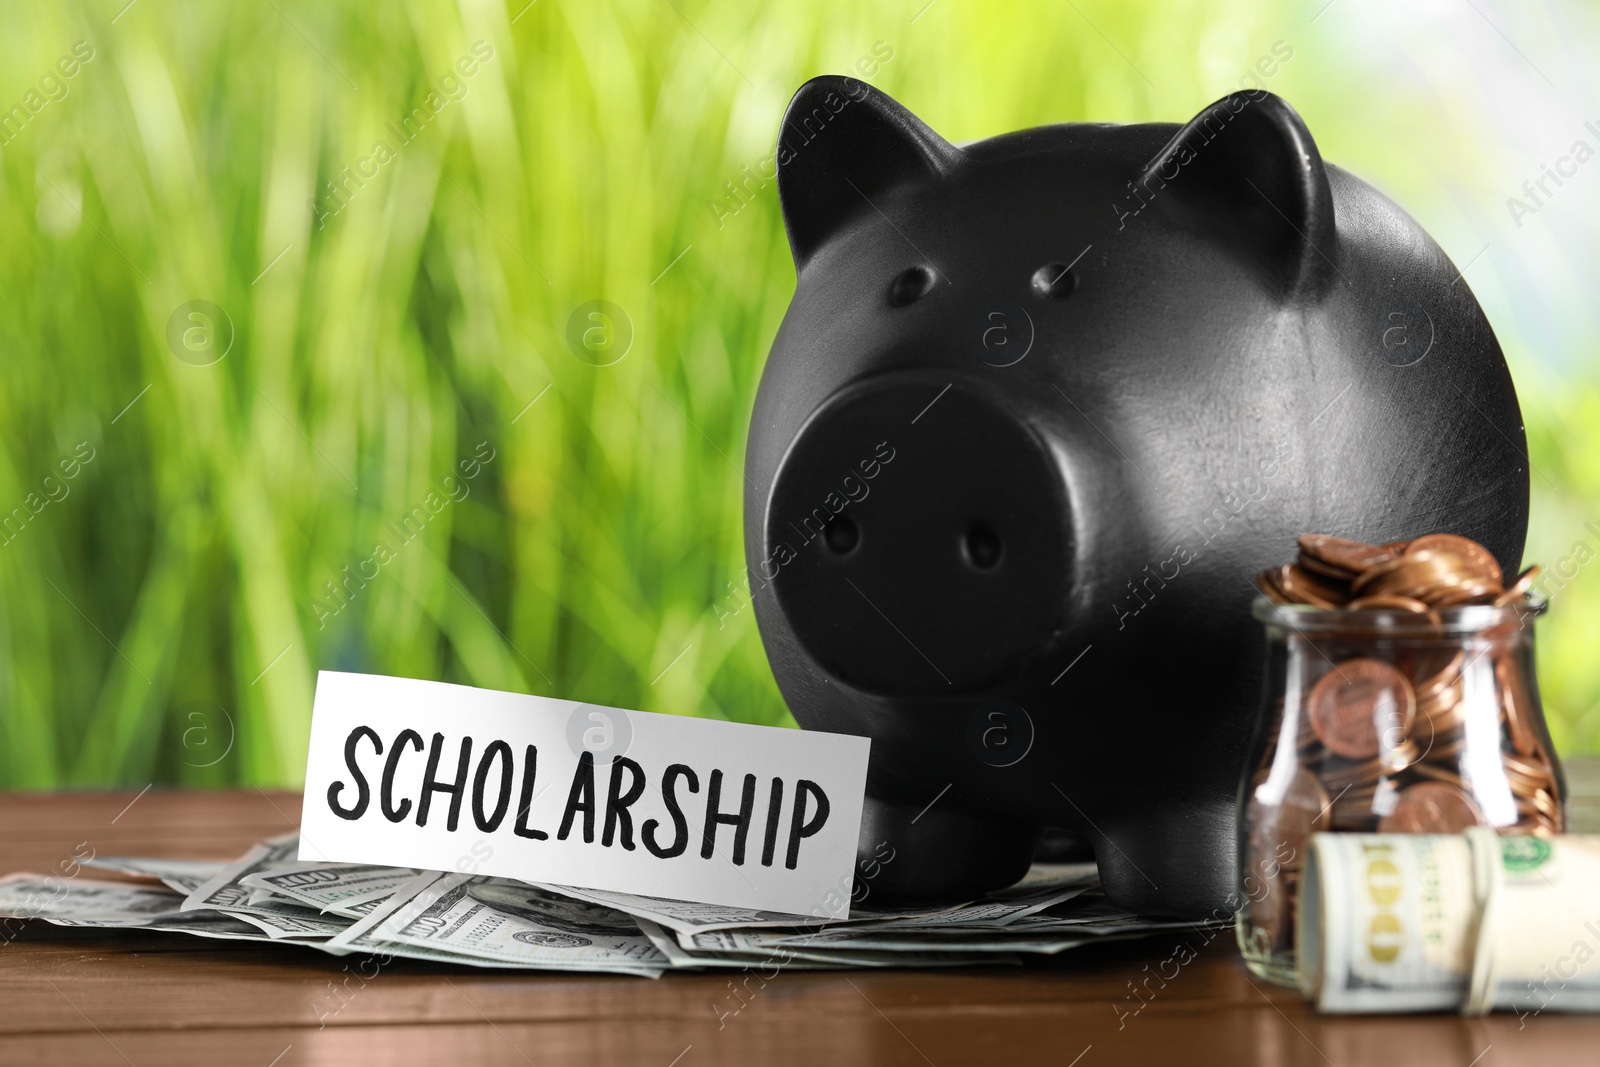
(74, 996)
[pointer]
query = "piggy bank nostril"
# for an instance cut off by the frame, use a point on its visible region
(841, 535)
(1055, 280)
(910, 285)
(982, 547)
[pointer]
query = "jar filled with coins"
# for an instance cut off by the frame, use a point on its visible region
(1400, 698)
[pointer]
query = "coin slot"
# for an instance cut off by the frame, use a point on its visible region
(982, 548)
(910, 285)
(1055, 280)
(841, 535)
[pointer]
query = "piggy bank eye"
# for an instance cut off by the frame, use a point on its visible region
(1055, 280)
(910, 285)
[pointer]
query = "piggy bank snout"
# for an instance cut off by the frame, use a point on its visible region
(917, 538)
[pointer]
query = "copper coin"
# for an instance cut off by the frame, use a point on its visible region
(1536, 773)
(1447, 748)
(1418, 577)
(1519, 588)
(1397, 547)
(1356, 703)
(1404, 753)
(1411, 564)
(1271, 588)
(1540, 802)
(1388, 603)
(1443, 703)
(1351, 557)
(1432, 808)
(1468, 593)
(1338, 774)
(1480, 562)
(1334, 574)
(1270, 900)
(1447, 727)
(1282, 829)
(1418, 745)
(1303, 587)
(1437, 673)
(1533, 826)
(1447, 773)
(1276, 848)
(1353, 811)
(1515, 706)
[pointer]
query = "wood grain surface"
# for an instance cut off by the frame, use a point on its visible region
(74, 996)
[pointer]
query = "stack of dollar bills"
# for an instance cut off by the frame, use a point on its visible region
(462, 918)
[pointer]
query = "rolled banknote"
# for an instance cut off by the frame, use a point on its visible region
(1470, 922)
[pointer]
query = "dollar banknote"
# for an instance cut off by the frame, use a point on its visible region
(1468, 922)
(992, 912)
(117, 905)
(405, 903)
(47, 896)
(832, 941)
(195, 923)
(183, 875)
(279, 917)
(347, 889)
(684, 916)
(499, 919)
(225, 888)
(402, 906)
(344, 908)
(1043, 886)
(667, 942)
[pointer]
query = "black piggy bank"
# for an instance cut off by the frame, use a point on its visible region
(1040, 408)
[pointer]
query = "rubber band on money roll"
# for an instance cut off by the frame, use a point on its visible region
(1486, 881)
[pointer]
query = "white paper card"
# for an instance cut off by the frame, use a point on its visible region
(558, 791)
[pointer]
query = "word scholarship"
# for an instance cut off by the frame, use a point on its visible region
(787, 816)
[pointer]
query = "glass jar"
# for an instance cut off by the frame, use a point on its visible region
(1386, 722)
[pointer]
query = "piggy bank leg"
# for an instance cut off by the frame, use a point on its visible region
(936, 854)
(1181, 864)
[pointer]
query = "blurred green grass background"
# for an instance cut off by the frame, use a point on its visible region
(164, 609)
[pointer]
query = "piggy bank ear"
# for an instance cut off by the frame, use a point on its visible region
(1246, 172)
(843, 143)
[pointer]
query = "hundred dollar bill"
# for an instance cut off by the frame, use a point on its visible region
(225, 891)
(224, 888)
(923, 941)
(1476, 921)
(86, 902)
(344, 908)
(680, 957)
(992, 913)
(1043, 886)
(196, 923)
(839, 949)
(362, 906)
(331, 887)
(183, 875)
(1092, 915)
(27, 896)
(682, 916)
(358, 936)
(1052, 877)
(276, 925)
(403, 905)
(498, 919)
